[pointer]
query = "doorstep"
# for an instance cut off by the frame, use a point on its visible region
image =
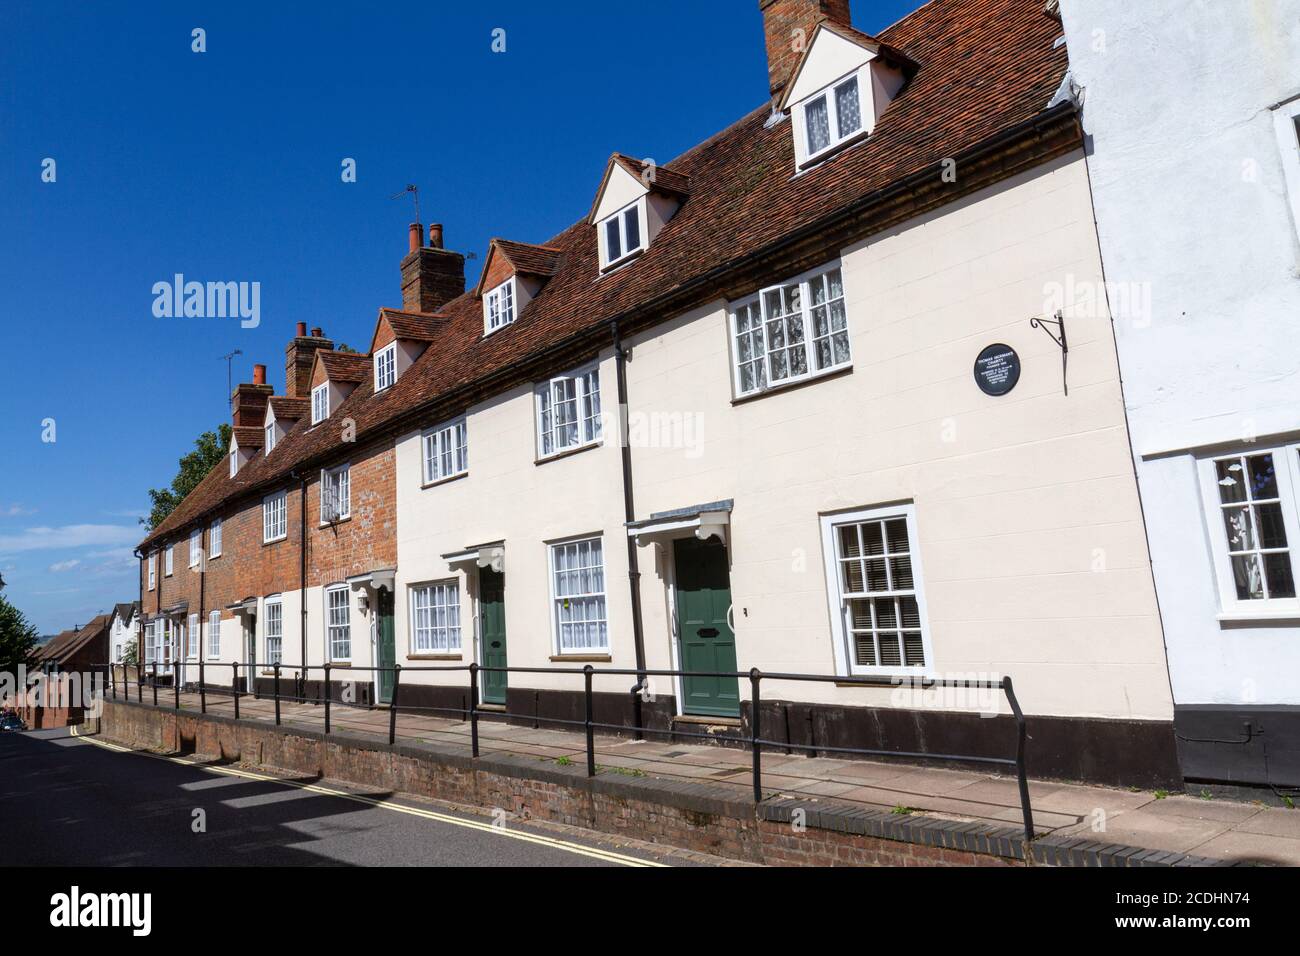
(710, 721)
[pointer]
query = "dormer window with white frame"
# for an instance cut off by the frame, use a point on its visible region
(320, 403)
(270, 438)
(499, 307)
(839, 90)
(385, 367)
(621, 235)
(234, 462)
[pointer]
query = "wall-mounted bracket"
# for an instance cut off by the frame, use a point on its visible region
(1059, 338)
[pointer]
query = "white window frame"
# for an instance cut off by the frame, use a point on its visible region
(1286, 462)
(153, 569)
(838, 599)
(444, 451)
(386, 367)
(196, 547)
(193, 638)
(270, 438)
(435, 621)
(214, 635)
(320, 403)
(169, 560)
(150, 647)
(625, 252)
(760, 301)
(331, 627)
(277, 656)
(600, 597)
(275, 517)
(214, 539)
(335, 490)
(234, 461)
(547, 397)
(1286, 121)
(499, 306)
(859, 76)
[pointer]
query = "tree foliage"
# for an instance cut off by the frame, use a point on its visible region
(17, 636)
(210, 448)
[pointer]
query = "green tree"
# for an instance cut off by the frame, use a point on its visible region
(17, 636)
(210, 448)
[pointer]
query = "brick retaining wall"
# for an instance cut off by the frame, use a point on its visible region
(678, 813)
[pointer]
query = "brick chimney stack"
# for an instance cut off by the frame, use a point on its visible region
(298, 358)
(250, 398)
(431, 275)
(788, 26)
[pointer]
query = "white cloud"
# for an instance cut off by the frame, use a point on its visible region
(64, 565)
(69, 536)
(16, 511)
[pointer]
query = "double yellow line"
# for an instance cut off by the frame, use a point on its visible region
(607, 856)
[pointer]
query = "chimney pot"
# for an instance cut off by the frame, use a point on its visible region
(302, 329)
(414, 232)
(435, 236)
(316, 333)
(259, 374)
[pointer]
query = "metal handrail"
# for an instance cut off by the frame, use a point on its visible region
(589, 725)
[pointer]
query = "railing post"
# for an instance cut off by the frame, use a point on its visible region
(234, 685)
(754, 678)
(112, 679)
(1022, 775)
(392, 705)
(139, 683)
(473, 707)
(155, 683)
(203, 693)
(587, 671)
(326, 692)
(176, 686)
(277, 693)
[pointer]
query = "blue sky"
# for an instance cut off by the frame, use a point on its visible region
(225, 166)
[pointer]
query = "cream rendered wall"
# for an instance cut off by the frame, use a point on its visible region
(507, 495)
(1031, 535)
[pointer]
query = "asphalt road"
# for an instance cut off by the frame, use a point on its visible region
(66, 801)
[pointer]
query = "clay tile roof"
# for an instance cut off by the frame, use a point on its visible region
(883, 50)
(988, 69)
(417, 326)
(289, 409)
(345, 366)
(659, 177)
(248, 436)
(125, 610)
(63, 646)
(530, 259)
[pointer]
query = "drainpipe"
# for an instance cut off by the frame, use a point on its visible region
(139, 618)
(629, 511)
(302, 582)
(205, 539)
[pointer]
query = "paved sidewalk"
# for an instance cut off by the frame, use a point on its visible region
(1217, 829)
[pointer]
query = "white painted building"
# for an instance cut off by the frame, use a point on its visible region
(1191, 110)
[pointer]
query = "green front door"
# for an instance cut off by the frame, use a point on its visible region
(385, 647)
(492, 622)
(705, 637)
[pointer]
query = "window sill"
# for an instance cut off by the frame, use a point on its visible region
(444, 481)
(582, 658)
(344, 664)
(435, 657)
(335, 522)
(1259, 617)
(569, 452)
(830, 152)
(799, 383)
(283, 537)
(611, 267)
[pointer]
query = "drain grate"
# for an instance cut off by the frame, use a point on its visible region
(676, 753)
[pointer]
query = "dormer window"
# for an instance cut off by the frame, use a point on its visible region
(270, 437)
(832, 117)
(320, 403)
(234, 461)
(621, 235)
(385, 367)
(499, 307)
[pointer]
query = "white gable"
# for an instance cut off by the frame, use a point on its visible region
(830, 57)
(621, 190)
